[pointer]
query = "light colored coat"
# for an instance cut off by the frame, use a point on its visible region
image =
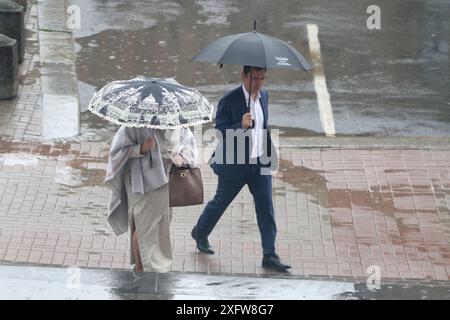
(144, 177)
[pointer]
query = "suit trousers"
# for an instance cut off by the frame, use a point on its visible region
(260, 187)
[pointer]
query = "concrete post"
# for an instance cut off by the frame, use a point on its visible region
(9, 68)
(12, 24)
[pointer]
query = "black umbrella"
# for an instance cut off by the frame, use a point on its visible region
(253, 49)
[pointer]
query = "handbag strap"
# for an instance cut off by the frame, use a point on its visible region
(184, 167)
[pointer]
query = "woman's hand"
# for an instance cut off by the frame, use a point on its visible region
(148, 145)
(177, 160)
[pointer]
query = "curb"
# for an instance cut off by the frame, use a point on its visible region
(59, 84)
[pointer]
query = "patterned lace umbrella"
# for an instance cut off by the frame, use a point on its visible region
(152, 103)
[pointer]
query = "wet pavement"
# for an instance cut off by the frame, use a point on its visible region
(20, 118)
(37, 283)
(388, 82)
(61, 283)
(59, 84)
(345, 206)
(339, 212)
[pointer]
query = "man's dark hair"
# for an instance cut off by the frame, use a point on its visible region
(247, 69)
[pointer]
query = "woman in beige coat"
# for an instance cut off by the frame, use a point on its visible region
(138, 167)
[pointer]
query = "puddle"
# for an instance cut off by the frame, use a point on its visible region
(69, 177)
(216, 11)
(304, 180)
(99, 16)
(20, 159)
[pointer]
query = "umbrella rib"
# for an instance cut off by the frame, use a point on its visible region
(264, 49)
(302, 60)
(229, 46)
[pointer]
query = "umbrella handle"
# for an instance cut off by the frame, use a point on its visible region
(250, 90)
(250, 98)
(150, 162)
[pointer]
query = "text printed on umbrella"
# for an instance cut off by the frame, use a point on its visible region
(282, 61)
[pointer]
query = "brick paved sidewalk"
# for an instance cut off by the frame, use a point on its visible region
(338, 212)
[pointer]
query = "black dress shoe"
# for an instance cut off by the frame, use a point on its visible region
(273, 262)
(202, 242)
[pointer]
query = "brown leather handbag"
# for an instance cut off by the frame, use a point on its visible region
(185, 186)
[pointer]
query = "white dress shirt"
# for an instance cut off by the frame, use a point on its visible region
(258, 130)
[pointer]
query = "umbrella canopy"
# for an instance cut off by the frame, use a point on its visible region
(151, 103)
(253, 49)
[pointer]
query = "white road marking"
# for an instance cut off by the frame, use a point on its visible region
(320, 83)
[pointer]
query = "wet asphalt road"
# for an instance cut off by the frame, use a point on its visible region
(390, 82)
(57, 283)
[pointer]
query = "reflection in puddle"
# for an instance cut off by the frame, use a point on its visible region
(156, 38)
(20, 159)
(54, 283)
(88, 177)
(77, 172)
(69, 176)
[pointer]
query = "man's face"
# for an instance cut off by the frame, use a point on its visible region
(258, 80)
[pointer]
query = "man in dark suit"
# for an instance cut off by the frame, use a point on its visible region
(244, 156)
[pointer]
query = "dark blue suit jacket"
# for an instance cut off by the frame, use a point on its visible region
(232, 106)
